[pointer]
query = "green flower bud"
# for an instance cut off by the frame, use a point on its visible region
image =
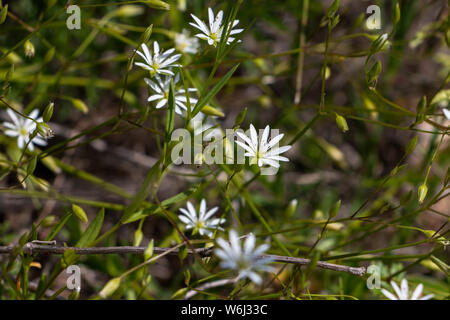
(48, 221)
(341, 123)
(48, 112)
(79, 213)
(148, 253)
(212, 111)
(421, 108)
(331, 11)
(334, 211)
(291, 208)
(129, 11)
(138, 236)
(373, 74)
(29, 48)
(110, 288)
(422, 193)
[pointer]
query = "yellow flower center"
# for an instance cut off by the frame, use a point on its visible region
(23, 132)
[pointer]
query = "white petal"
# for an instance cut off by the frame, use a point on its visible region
(161, 104)
(446, 113)
(211, 19)
(397, 290)
(274, 141)
(417, 292)
(191, 209)
(13, 116)
(156, 48)
(249, 244)
(404, 285)
(147, 53)
(11, 133)
(217, 22)
(235, 242)
(264, 136)
(388, 295)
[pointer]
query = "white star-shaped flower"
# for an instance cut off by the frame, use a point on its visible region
(403, 293)
(185, 43)
(213, 34)
(247, 260)
(159, 62)
(262, 152)
(22, 128)
(161, 88)
(201, 222)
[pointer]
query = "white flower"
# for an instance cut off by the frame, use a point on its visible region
(262, 152)
(22, 128)
(213, 34)
(246, 260)
(158, 62)
(403, 293)
(201, 223)
(161, 89)
(186, 44)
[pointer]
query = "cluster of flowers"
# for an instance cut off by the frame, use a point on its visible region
(248, 260)
(161, 62)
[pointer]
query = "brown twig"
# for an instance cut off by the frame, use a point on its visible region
(32, 248)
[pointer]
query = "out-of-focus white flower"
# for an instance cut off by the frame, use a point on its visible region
(403, 293)
(22, 128)
(161, 88)
(247, 260)
(213, 34)
(262, 152)
(201, 222)
(185, 43)
(159, 62)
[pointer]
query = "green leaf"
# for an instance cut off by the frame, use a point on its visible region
(3, 14)
(57, 227)
(170, 120)
(32, 165)
(143, 192)
(206, 98)
(92, 231)
(180, 197)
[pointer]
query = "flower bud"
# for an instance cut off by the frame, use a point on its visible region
(212, 111)
(44, 130)
(79, 213)
(48, 221)
(29, 48)
(379, 43)
(149, 250)
(341, 123)
(110, 288)
(292, 207)
(138, 236)
(129, 11)
(422, 193)
(48, 112)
